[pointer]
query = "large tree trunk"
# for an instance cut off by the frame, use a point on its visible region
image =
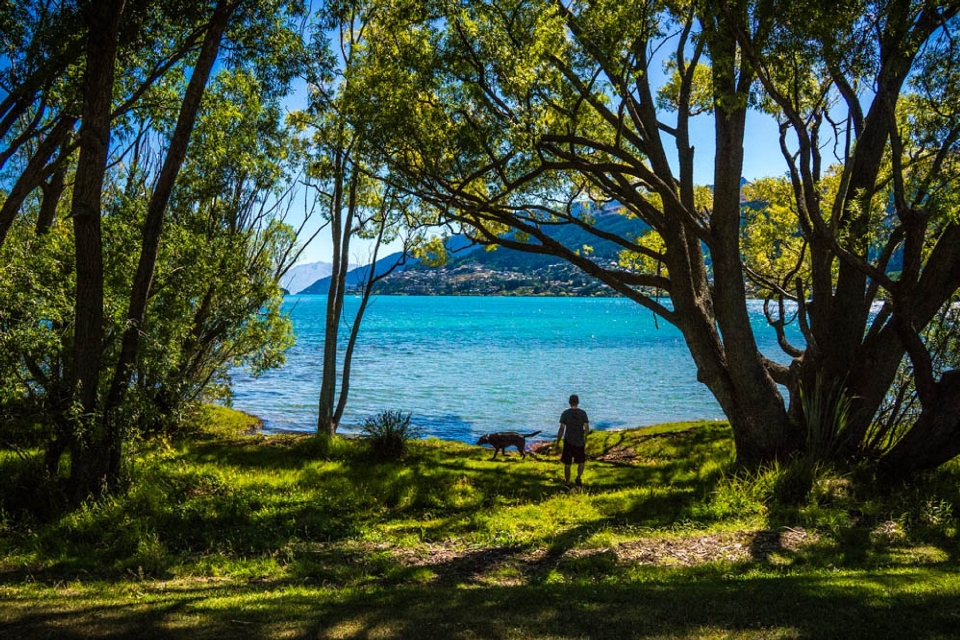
(740, 380)
(867, 366)
(89, 447)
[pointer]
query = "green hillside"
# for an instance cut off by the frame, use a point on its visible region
(503, 271)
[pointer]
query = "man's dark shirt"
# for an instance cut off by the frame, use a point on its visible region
(574, 419)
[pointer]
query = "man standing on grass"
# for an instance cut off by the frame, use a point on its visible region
(574, 426)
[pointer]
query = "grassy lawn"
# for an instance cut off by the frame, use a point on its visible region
(225, 535)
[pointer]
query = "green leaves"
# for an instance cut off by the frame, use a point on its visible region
(701, 96)
(771, 240)
(214, 302)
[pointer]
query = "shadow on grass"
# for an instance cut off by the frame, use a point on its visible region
(868, 606)
(311, 524)
(281, 452)
(792, 607)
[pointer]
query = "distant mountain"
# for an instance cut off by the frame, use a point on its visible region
(472, 279)
(302, 276)
(356, 276)
(472, 270)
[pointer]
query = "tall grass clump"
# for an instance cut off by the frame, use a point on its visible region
(795, 479)
(388, 433)
(800, 491)
(927, 505)
(825, 414)
(742, 496)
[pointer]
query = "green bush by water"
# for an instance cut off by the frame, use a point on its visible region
(388, 433)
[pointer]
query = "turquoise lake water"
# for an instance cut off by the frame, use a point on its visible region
(464, 366)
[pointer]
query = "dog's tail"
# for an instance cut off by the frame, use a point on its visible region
(530, 435)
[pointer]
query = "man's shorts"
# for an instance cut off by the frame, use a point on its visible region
(573, 453)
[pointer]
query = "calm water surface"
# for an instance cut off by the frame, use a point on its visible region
(464, 366)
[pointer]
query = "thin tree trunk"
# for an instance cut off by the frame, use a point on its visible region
(342, 230)
(156, 209)
(88, 449)
(52, 193)
(351, 343)
(371, 281)
(33, 174)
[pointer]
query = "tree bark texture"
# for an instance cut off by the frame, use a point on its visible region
(90, 449)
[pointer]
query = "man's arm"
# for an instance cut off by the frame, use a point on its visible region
(586, 428)
(561, 431)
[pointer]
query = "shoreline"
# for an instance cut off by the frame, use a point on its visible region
(257, 424)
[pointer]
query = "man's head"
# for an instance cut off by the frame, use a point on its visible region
(574, 400)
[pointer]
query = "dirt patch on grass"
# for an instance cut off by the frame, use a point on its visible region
(516, 564)
(729, 547)
(618, 453)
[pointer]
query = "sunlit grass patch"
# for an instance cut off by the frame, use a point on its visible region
(215, 421)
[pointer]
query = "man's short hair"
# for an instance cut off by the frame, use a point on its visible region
(574, 400)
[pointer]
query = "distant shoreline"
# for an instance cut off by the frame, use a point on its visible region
(612, 294)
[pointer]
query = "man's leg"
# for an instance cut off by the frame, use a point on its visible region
(566, 473)
(579, 471)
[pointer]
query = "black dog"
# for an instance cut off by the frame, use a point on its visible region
(503, 439)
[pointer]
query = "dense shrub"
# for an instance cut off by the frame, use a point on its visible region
(388, 433)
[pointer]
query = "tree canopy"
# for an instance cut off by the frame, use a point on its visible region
(134, 275)
(512, 116)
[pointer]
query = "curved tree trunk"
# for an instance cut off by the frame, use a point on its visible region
(52, 193)
(369, 283)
